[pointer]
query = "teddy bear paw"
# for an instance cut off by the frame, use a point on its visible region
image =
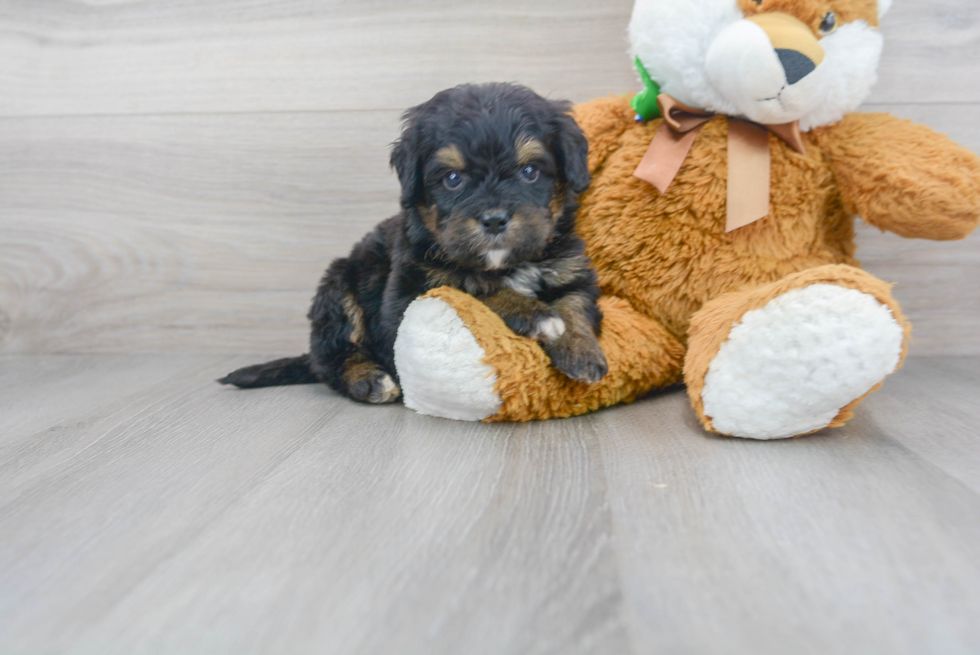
(789, 367)
(440, 364)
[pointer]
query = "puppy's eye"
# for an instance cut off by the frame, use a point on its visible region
(453, 180)
(530, 173)
(829, 24)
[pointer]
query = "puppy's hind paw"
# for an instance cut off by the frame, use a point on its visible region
(375, 387)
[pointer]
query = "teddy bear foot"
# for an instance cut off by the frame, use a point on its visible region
(441, 366)
(800, 362)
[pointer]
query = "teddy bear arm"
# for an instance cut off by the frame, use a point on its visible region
(456, 358)
(903, 177)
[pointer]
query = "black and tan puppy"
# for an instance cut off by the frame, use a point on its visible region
(489, 175)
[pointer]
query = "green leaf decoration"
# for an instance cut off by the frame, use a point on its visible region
(645, 102)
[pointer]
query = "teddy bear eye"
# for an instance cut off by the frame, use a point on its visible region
(828, 24)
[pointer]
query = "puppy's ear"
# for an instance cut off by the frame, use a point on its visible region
(406, 158)
(571, 149)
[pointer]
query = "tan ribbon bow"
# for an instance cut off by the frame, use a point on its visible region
(749, 159)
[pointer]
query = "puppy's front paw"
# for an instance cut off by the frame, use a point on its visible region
(579, 357)
(541, 323)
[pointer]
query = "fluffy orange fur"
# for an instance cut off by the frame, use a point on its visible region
(669, 254)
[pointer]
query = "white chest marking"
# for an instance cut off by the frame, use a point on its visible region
(495, 258)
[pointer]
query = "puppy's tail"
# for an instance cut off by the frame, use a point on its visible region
(291, 370)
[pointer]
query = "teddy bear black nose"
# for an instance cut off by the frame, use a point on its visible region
(796, 64)
(495, 221)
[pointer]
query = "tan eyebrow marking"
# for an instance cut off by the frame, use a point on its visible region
(528, 149)
(451, 157)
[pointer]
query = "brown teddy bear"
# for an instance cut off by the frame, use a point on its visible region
(723, 231)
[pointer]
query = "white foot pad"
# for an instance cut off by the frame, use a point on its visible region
(440, 364)
(789, 367)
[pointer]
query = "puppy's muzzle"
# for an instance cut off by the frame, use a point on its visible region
(494, 221)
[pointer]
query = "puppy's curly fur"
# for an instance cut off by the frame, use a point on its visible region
(490, 176)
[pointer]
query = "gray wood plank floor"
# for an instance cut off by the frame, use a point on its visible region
(145, 509)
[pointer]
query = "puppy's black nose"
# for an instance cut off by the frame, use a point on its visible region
(494, 221)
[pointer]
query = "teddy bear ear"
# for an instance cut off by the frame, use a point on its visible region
(883, 7)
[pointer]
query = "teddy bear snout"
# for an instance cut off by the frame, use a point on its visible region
(796, 65)
(768, 67)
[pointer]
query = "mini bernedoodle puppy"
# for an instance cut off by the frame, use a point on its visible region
(490, 175)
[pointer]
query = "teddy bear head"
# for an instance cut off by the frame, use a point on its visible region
(771, 61)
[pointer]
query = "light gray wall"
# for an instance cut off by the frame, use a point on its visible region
(174, 176)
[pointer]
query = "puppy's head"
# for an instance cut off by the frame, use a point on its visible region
(490, 174)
